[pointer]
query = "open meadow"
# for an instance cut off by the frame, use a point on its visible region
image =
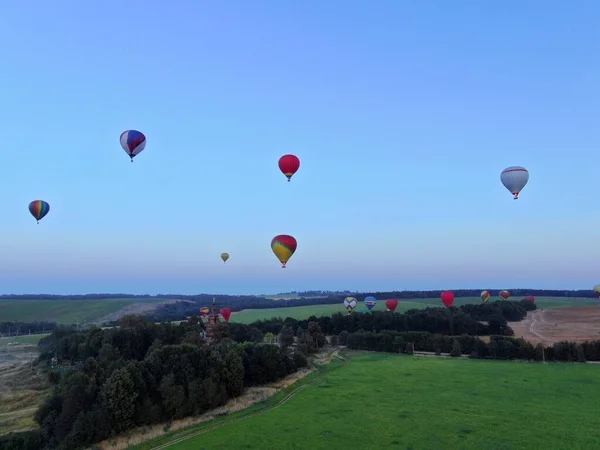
(400, 402)
(22, 386)
(70, 311)
(31, 339)
(304, 312)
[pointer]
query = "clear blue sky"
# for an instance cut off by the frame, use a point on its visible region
(403, 114)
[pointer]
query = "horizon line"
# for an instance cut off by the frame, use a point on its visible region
(285, 293)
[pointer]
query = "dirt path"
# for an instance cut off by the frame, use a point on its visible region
(536, 317)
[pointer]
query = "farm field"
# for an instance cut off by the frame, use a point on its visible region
(547, 326)
(65, 311)
(400, 402)
(31, 339)
(304, 312)
(22, 388)
(288, 296)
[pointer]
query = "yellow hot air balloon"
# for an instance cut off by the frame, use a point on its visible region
(597, 290)
(284, 246)
(224, 256)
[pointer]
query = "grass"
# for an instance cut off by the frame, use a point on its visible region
(61, 311)
(397, 402)
(304, 312)
(22, 387)
(253, 410)
(33, 339)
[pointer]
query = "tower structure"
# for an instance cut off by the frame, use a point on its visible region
(213, 319)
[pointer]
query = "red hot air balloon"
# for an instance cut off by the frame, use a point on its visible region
(504, 295)
(391, 304)
(289, 165)
(447, 298)
(529, 298)
(226, 313)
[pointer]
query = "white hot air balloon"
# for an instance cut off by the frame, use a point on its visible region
(514, 178)
(350, 304)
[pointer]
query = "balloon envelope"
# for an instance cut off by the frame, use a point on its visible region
(289, 165)
(529, 298)
(370, 302)
(133, 142)
(391, 304)
(204, 311)
(350, 303)
(514, 178)
(226, 313)
(224, 256)
(39, 209)
(447, 298)
(283, 246)
(504, 294)
(485, 296)
(597, 290)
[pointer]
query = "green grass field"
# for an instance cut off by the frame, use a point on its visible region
(61, 311)
(25, 339)
(381, 401)
(304, 312)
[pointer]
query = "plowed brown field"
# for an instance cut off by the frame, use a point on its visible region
(561, 324)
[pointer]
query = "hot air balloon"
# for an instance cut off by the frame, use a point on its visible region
(485, 296)
(39, 209)
(284, 247)
(529, 298)
(504, 295)
(289, 165)
(133, 142)
(391, 304)
(224, 257)
(597, 290)
(226, 313)
(204, 311)
(370, 302)
(350, 304)
(514, 178)
(447, 298)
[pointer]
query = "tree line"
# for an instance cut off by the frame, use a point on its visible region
(499, 347)
(140, 373)
(467, 319)
(181, 310)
